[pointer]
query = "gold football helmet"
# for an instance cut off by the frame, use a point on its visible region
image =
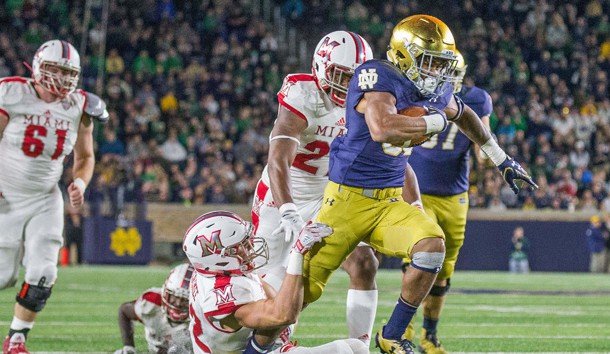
(460, 72)
(423, 48)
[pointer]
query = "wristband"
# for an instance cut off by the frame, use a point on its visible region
(80, 184)
(295, 264)
(435, 123)
(495, 153)
(287, 207)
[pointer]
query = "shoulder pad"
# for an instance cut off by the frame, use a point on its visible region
(96, 107)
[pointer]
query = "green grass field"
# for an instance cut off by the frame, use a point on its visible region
(485, 312)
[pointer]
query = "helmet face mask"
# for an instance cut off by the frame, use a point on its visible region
(336, 57)
(175, 293)
(56, 67)
(222, 243)
(423, 48)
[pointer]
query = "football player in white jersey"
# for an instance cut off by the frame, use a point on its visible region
(42, 119)
(232, 311)
(164, 312)
(311, 115)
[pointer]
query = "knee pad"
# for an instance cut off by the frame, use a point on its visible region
(440, 290)
(33, 297)
(430, 262)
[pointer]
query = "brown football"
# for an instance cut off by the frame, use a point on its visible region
(416, 111)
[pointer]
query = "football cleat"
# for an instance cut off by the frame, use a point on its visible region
(16, 347)
(430, 344)
(410, 332)
(391, 346)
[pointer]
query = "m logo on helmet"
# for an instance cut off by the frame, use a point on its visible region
(326, 48)
(211, 245)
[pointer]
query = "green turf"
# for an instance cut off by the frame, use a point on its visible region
(485, 312)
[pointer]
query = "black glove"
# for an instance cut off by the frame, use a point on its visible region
(512, 170)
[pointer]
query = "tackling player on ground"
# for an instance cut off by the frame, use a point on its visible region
(363, 200)
(231, 309)
(164, 312)
(442, 166)
(42, 120)
(311, 115)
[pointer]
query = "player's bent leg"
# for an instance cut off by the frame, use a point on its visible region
(361, 304)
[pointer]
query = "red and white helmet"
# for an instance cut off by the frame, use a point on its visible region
(175, 293)
(222, 243)
(61, 55)
(336, 57)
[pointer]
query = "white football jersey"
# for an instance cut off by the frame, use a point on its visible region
(214, 298)
(325, 122)
(157, 328)
(37, 138)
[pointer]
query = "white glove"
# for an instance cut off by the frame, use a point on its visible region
(310, 235)
(291, 223)
(128, 349)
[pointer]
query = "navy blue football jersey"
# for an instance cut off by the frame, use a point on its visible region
(355, 159)
(442, 163)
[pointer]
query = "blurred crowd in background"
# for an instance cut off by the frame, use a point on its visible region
(191, 88)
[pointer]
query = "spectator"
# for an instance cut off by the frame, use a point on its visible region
(171, 149)
(518, 260)
(597, 236)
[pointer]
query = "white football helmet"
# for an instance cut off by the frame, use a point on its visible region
(56, 67)
(175, 293)
(222, 243)
(336, 57)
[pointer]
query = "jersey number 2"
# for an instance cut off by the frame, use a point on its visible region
(319, 149)
(33, 147)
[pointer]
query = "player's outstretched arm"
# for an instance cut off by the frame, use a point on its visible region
(471, 125)
(284, 309)
(282, 151)
(387, 126)
(127, 314)
(84, 162)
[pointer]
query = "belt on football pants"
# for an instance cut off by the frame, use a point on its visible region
(374, 193)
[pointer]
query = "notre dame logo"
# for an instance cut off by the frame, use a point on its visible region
(125, 241)
(367, 78)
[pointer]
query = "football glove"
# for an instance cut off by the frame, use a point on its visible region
(310, 235)
(128, 349)
(511, 170)
(291, 222)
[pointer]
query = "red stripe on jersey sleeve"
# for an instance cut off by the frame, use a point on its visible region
(4, 113)
(154, 298)
(290, 108)
(13, 79)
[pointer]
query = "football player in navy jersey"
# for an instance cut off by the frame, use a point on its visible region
(442, 168)
(363, 200)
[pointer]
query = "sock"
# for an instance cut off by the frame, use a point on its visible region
(361, 310)
(430, 325)
(398, 322)
(255, 348)
(20, 326)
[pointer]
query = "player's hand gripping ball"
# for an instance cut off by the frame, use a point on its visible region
(415, 111)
